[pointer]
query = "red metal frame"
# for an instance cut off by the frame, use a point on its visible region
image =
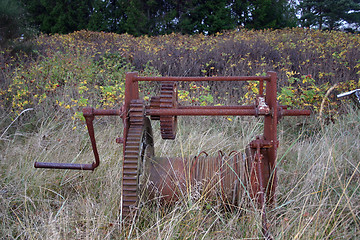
(260, 174)
(263, 148)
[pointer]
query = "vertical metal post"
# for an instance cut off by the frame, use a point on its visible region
(131, 89)
(270, 133)
(261, 87)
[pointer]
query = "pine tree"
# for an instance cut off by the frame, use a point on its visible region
(62, 16)
(270, 14)
(12, 21)
(328, 14)
(206, 17)
(161, 15)
(135, 21)
(98, 19)
(240, 11)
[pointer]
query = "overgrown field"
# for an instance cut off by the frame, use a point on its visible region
(318, 193)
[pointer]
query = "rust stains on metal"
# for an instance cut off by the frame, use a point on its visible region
(224, 176)
(220, 177)
(168, 100)
(198, 79)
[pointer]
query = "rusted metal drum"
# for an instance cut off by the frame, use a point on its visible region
(213, 178)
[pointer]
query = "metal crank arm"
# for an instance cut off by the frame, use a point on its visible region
(89, 114)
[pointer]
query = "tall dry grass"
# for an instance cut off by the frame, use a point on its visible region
(318, 192)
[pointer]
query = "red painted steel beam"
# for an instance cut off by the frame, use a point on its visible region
(246, 110)
(107, 112)
(295, 112)
(283, 107)
(218, 107)
(198, 79)
(197, 111)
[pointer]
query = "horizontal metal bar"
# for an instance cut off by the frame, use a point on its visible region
(91, 112)
(295, 112)
(201, 112)
(246, 110)
(107, 112)
(284, 107)
(197, 79)
(218, 107)
(72, 166)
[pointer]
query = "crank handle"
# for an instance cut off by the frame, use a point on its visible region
(89, 114)
(89, 117)
(73, 166)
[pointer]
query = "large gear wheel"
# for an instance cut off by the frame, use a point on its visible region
(155, 104)
(139, 148)
(168, 99)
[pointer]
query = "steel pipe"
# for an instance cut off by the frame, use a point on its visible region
(218, 107)
(72, 166)
(295, 112)
(198, 79)
(198, 111)
(91, 112)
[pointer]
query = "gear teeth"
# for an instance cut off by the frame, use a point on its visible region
(168, 99)
(155, 104)
(131, 156)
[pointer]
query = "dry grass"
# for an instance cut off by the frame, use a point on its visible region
(318, 194)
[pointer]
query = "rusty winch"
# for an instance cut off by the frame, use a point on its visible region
(227, 176)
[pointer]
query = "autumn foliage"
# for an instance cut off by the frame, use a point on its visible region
(84, 68)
